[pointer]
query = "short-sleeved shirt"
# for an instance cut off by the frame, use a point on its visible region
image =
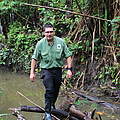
(51, 56)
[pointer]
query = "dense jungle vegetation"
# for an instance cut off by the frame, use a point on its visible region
(91, 28)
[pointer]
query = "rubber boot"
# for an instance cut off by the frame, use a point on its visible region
(53, 107)
(47, 116)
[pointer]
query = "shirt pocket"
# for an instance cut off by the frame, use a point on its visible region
(45, 56)
(58, 54)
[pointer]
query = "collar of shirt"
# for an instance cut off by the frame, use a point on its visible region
(51, 43)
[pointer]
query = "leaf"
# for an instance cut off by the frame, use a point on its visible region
(5, 114)
(100, 113)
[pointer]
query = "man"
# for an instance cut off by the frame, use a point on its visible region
(50, 52)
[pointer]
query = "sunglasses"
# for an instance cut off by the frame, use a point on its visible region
(49, 31)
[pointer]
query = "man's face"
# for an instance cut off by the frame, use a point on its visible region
(49, 33)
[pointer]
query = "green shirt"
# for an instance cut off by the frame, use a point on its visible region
(51, 55)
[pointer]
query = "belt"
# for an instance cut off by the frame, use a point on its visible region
(53, 68)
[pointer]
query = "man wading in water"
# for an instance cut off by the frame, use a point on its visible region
(51, 51)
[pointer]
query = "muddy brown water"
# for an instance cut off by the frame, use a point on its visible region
(11, 82)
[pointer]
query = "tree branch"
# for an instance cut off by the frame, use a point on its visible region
(58, 9)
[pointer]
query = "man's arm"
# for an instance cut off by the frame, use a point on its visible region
(69, 66)
(32, 71)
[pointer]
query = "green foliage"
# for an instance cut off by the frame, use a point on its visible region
(94, 105)
(2, 38)
(4, 53)
(7, 6)
(21, 44)
(88, 104)
(109, 73)
(81, 102)
(22, 35)
(76, 46)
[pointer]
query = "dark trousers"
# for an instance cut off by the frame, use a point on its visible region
(52, 79)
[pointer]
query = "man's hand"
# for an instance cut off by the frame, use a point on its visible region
(32, 73)
(69, 74)
(32, 77)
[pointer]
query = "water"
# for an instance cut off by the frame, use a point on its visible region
(105, 113)
(10, 83)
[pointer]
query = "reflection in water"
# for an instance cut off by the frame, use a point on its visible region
(10, 83)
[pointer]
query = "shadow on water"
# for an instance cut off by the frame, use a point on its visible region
(10, 83)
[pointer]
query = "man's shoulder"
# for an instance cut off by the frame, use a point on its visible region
(41, 40)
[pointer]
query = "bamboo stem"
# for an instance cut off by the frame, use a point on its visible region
(29, 100)
(93, 44)
(34, 103)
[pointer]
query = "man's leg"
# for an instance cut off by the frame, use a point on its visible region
(57, 84)
(49, 93)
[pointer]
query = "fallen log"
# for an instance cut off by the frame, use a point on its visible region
(72, 114)
(76, 113)
(56, 112)
(96, 100)
(69, 107)
(60, 113)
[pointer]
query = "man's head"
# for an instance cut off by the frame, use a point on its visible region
(49, 31)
